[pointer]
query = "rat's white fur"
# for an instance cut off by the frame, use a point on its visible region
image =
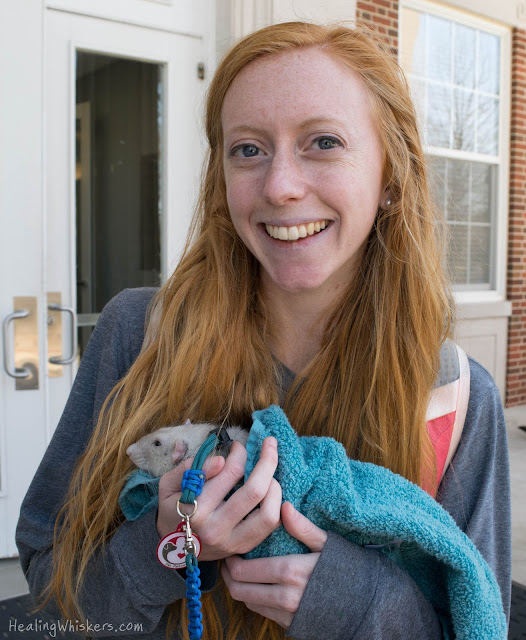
(161, 451)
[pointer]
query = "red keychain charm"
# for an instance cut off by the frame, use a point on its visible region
(173, 548)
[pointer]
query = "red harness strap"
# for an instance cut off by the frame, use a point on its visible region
(446, 414)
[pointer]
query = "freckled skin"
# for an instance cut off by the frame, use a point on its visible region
(161, 451)
(301, 144)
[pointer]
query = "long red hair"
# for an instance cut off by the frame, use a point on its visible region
(206, 355)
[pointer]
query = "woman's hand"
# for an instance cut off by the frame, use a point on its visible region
(233, 526)
(273, 587)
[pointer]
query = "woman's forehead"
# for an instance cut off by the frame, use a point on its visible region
(302, 85)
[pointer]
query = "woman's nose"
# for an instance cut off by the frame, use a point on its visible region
(284, 180)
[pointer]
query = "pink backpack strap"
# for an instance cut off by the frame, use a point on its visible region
(446, 414)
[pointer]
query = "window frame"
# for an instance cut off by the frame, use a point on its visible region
(498, 269)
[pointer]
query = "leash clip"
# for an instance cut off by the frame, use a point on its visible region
(189, 545)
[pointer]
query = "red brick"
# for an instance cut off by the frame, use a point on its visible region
(379, 20)
(382, 17)
(516, 373)
(363, 6)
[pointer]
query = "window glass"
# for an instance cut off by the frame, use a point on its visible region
(457, 207)
(413, 53)
(437, 180)
(439, 49)
(488, 125)
(488, 60)
(438, 121)
(482, 191)
(466, 193)
(118, 181)
(457, 252)
(464, 120)
(464, 56)
(479, 255)
(454, 73)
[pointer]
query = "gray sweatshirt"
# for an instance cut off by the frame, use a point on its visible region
(353, 593)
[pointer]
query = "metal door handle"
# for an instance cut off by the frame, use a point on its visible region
(71, 358)
(14, 372)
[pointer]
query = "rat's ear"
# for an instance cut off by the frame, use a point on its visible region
(179, 451)
(188, 422)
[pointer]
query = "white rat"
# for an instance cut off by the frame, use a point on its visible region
(161, 451)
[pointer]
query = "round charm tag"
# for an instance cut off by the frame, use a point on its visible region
(170, 551)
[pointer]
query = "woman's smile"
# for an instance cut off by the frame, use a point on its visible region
(293, 233)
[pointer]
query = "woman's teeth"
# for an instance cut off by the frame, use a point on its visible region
(295, 233)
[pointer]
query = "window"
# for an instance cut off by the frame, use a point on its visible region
(453, 63)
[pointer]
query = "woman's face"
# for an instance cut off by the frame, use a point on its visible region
(303, 168)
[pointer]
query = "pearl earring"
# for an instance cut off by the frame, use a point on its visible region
(388, 203)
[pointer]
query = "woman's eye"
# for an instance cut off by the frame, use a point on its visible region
(245, 150)
(327, 142)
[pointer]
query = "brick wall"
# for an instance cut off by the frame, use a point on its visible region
(382, 16)
(516, 368)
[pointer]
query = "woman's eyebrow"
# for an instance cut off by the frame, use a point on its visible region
(305, 124)
(320, 120)
(244, 128)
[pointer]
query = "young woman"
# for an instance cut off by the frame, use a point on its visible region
(313, 279)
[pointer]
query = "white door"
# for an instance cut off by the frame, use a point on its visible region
(116, 153)
(22, 400)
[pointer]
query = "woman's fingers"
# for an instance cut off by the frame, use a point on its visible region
(282, 618)
(170, 492)
(293, 570)
(302, 528)
(216, 489)
(221, 527)
(170, 483)
(264, 595)
(260, 570)
(272, 587)
(253, 492)
(260, 523)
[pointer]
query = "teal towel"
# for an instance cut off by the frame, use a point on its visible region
(139, 494)
(367, 505)
(370, 505)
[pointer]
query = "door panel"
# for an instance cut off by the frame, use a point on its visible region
(101, 155)
(21, 248)
(120, 163)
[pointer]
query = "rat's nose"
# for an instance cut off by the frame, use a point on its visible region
(131, 451)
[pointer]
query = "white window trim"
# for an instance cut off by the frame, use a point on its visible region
(498, 294)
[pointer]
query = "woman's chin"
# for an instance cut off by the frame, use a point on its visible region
(297, 283)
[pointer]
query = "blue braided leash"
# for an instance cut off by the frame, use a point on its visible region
(193, 598)
(192, 485)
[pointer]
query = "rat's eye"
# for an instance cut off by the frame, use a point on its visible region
(157, 443)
